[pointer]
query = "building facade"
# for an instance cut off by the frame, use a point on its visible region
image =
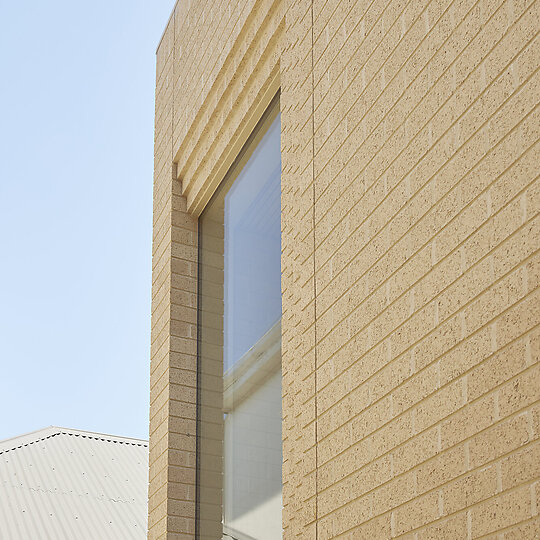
(409, 220)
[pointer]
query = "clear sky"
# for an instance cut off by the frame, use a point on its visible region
(76, 160)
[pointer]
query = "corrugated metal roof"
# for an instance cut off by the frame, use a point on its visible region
(59, 483)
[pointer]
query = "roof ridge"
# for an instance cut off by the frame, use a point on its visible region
(65, 431)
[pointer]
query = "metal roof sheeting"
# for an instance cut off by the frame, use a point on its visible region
(59, 483)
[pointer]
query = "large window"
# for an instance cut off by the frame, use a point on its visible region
(239, 366)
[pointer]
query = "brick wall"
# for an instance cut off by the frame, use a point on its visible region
(410, 234)
(174, 324)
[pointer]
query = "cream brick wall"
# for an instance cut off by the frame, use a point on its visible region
(410, 235)
(174, 325)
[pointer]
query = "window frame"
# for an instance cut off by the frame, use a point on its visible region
(253, 369)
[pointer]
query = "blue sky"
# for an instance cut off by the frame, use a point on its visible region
(76, 154)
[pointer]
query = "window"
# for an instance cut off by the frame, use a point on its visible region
(239, 366)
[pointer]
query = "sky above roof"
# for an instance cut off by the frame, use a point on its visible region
(76, 160)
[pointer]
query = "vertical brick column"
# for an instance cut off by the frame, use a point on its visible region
(173, 349)
(298, 292)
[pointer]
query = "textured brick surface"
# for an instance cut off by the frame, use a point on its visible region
(410, 264)
(174, 327)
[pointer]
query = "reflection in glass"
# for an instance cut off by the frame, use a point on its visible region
(239, 379)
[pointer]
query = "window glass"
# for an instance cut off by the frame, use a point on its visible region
(253, 249)
(239, 366)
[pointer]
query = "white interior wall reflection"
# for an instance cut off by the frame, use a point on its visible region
(252, 468)
(240, 373)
